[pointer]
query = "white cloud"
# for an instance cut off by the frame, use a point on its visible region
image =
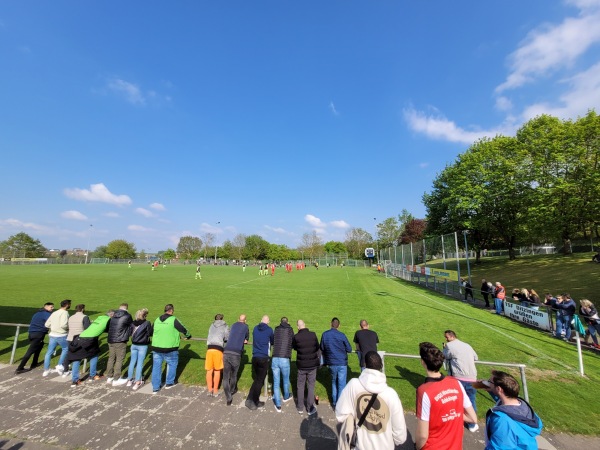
(20, 225)
(158, 206)
(340, 224)
(144, 212)
(73, 215)
(138, 228)
(208, 228)
(278, 230)
(314, 221)
(438, 127)
(584, 94)
(551, 47)
(97, 193)
(503, 104)
(333, 110)
(131, 92)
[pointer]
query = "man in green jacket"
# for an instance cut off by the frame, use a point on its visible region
(165, 347)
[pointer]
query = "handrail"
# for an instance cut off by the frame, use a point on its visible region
(382, 353)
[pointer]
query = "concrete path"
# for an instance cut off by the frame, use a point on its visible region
(46, 413)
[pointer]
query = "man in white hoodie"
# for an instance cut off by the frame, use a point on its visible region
(384, 426)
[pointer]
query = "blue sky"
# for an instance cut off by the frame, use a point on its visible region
(152, 120)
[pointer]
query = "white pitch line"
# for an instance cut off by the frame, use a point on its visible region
(548, 357)
(243, 282)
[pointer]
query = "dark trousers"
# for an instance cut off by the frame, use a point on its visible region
(116, 356)
(231, 365)
(308, 378)
(486, 299)
(36, 343)
(261, 368)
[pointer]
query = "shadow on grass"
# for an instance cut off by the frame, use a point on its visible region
(414, 378)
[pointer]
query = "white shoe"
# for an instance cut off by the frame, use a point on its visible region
(120, 382)
(473, 428)
(66, 374)
(129, 383)
(46, 373)
(109, 380)
(60, 369)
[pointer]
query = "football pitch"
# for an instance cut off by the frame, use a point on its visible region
(401, 313)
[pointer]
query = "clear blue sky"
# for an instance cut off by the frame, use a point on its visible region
(151, 120)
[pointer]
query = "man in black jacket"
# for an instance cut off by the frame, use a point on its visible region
(280, 363)
(119, 330)
(306, 344)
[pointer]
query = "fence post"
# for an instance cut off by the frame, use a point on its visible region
(524, 382)
(14, 347)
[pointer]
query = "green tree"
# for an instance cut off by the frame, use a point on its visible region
(226, 250)
(278, 253)
(21, 245)
(388, 232)
(238, 246)
(256, 247)
(189, 247)
(403, 219)
(120, 249)
(169, 254)
(335, 247)
(100, 252)
(357, 240)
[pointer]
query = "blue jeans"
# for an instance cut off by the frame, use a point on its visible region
(338, 381)
(281, 369)
(171, 358)
(54, 342)
(498, 302)
(471, 393)
(563, 322)
(138, 354)
(75, 368)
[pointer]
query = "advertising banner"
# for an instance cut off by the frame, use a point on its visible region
(538, 319)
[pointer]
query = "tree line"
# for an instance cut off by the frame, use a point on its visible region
(541, 186)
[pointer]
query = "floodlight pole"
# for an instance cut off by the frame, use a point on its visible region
(87, 251)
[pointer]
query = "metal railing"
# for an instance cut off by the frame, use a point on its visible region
(383, 354)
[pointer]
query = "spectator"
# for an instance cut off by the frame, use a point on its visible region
(119, 330)
(165, 347)
(566, 308)
(499, 295)
(461, 365)
(590, 315)
(238, 336)
(384, 426)
(58, 323)
(534, 298)
(262, 339)
(485, 292)
(141, 332)
(442, 405)
(335, 348)
(280, 364)
(468, 288)
(306, 344)
(512, 423)
(366, 340)
(77, 323)
(217, 336)
(86, 345)
(37, 333)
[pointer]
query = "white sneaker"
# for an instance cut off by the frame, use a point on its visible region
(129, 383)
(473, 428)
(120, 382)
(109, 380)
(66, 374)
(46, 373)
(60, 369)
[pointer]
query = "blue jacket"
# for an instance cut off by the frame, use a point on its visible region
(512, 427)
(262, 338)
(237, 335)
(335, 347)
(38, 321)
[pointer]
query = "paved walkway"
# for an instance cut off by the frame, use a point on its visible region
(46, 413)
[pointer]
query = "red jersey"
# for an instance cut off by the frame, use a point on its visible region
(441, 402)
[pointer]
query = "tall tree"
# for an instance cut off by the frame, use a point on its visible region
(278, 252)
(169, 254)
(414, 231)
(189, 247)
(207, 241)
(404, 218)
(239, 245)
(312, 244)
(120, 249)
(335, 247)
(388, 232)
(256, 247)
(357, 240)
(226, 250)
(21, 245)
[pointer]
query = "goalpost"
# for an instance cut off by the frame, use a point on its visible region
(99, 261)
